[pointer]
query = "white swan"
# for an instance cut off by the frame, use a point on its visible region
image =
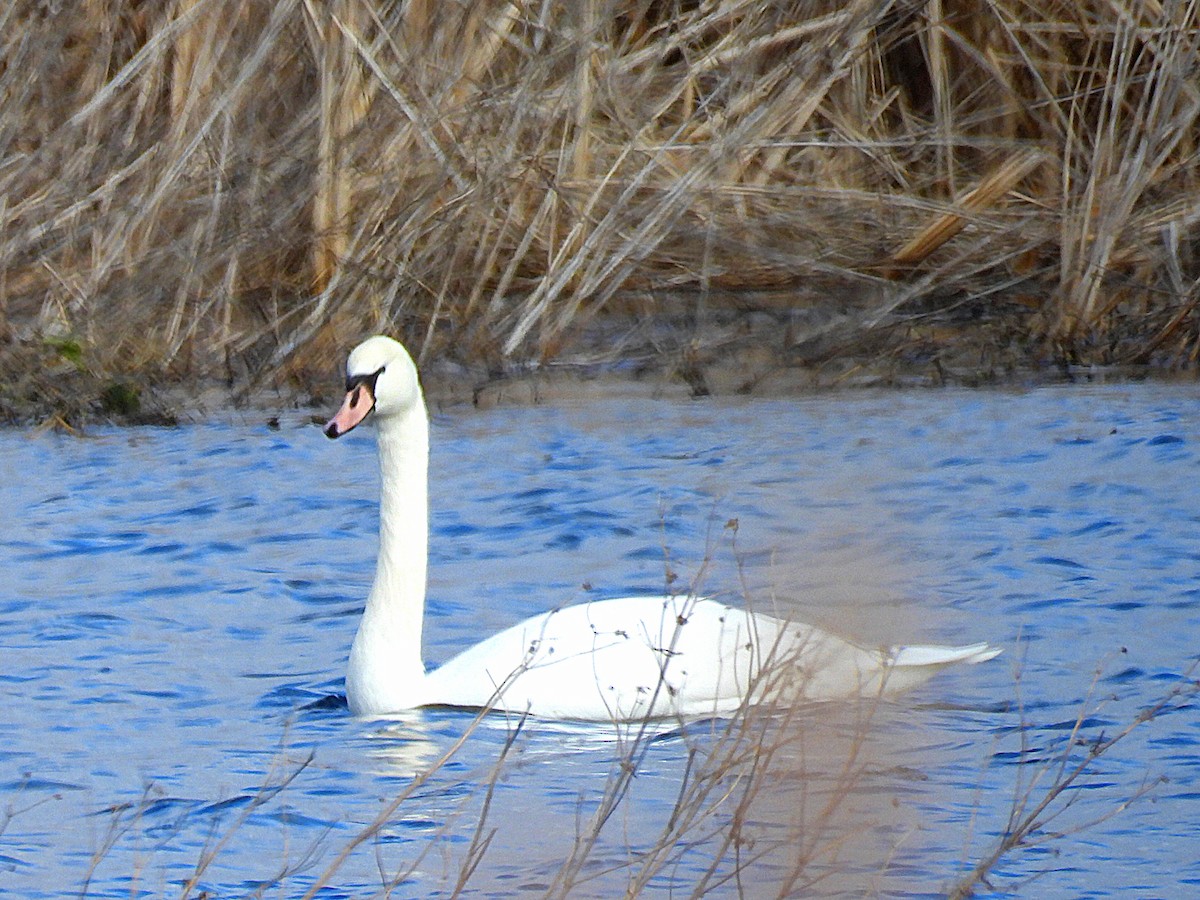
(615, 660)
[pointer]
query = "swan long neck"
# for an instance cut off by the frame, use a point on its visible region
(399, 586)
(386, 672)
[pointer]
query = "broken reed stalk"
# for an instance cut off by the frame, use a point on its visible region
(983, 196)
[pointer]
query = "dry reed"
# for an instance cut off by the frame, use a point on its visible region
(237, 188)
(720, 829)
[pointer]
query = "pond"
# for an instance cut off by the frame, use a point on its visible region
(178, 605)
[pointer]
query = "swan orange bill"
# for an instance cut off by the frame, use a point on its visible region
(359, 401)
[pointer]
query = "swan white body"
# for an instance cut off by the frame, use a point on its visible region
(610, 660)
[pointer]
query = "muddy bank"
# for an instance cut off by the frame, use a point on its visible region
(51, 383)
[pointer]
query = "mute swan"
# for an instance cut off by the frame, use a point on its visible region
(612, 660)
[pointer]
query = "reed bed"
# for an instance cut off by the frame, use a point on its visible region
(237, 189)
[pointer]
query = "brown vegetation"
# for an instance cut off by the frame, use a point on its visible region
(240, 188)
(768, 804)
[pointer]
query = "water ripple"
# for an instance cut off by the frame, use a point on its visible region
(174, 650)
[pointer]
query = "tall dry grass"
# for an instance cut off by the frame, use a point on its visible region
(236, 188)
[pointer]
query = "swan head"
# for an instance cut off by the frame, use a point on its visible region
(380, 377)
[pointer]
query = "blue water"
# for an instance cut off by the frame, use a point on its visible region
(177, 606)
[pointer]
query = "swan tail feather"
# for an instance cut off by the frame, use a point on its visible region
(937, 656)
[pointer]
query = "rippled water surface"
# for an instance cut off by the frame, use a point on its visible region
(177, 606)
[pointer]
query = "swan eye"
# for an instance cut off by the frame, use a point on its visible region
(353, 381)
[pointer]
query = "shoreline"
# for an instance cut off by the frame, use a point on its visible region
(73, 399)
